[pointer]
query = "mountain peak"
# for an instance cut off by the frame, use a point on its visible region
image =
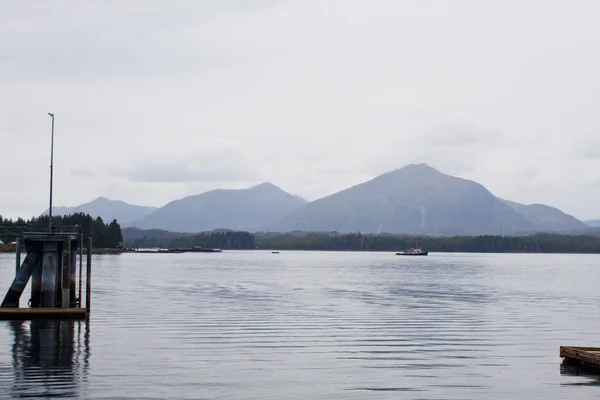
(415, 199)
(265, 186)
(422, 167)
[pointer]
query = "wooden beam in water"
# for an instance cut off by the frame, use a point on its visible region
(30, 313)
(32, 260)
(586, 357)
(88, 286)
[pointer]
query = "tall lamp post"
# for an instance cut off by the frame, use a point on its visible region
(51, 165)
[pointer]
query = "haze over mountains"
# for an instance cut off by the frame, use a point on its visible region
(416, 199)
(593, 222)
(107, 210)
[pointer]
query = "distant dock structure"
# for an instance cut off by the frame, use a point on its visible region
(51, 264)
(54, 264)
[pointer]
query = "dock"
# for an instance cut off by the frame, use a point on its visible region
(54, 266)
(178, 250)
(587, 358)
(51, 265)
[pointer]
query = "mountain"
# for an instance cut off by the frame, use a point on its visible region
(107, 210)
(595, 223)
(242, 209)
(547, 218)
(416, 199)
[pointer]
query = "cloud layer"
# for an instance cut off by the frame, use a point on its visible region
(159, 100)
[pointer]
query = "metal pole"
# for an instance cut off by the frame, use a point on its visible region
(51, 165)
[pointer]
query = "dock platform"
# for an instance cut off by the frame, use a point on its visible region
(586, 357)
(45, 313)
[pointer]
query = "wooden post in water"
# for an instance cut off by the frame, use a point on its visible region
(73, 274)
(80, 265)
(17, 260)
(88, 286)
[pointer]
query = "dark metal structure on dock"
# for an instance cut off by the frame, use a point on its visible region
(56, 274)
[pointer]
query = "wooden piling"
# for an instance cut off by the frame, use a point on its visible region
(88, 285)
(73, 275)
(17, 261)
(80, 266)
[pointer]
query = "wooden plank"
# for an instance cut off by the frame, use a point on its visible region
(29, 313)
(586, 356)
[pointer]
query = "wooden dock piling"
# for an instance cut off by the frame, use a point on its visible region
(88, 285)
(51, 264)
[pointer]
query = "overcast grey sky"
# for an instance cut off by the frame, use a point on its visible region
(155, 100)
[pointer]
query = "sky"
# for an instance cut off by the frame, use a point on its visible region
(156, 100)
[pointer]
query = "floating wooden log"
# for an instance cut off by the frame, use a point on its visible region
(585, 357)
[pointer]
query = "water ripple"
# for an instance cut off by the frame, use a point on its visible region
(313, 325)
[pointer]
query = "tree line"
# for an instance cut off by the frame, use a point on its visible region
(538, 243)
(238, 240)
(104, 235)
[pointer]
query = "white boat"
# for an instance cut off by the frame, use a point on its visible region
(412, 252)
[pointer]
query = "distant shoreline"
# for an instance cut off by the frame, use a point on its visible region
(122, 251)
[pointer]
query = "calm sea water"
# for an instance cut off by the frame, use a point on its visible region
(314, 325)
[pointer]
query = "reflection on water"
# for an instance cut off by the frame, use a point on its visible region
(593, 379)
(49, 357)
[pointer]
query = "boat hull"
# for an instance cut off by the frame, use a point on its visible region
(423, 253)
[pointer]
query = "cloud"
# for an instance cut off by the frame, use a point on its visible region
(586, 147)
(83, 172)
(169, 99)
(190, 171)
(211, 161)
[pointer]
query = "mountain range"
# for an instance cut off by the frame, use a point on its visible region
(107, 210)
(415, 199)
(418, 199)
